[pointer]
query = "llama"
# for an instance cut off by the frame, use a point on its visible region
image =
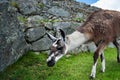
(101, 27)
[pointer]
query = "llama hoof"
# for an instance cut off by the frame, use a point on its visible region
(118, 60)
(91, 77)
(102, 71)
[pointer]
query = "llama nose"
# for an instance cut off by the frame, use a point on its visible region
(51, 63)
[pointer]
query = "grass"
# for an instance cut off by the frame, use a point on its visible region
(22, 19)
(78, 19)
(75, 67)
(14, 4)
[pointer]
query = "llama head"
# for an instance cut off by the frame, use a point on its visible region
(57, 49)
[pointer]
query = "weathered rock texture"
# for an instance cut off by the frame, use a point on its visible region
(24, 23)
(12, 42)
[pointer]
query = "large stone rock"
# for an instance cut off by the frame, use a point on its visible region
(46, 2)
(68, 27)
(59, 12)
(91, 47)
(41, 45)
(79, 15)
(61, 24)
(12, 42)
(27, 7)
(33, 34)
(34, 21)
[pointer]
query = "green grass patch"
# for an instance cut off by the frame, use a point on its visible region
(75, 67)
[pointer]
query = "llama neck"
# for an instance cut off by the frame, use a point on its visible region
(75, 39)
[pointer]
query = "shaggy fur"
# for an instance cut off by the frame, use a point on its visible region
(102, 25)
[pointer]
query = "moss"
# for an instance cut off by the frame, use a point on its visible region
(22, 19)
(78, 19)
(14, 4)
(41, 5)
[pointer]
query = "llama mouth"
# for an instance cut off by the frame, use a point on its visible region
(51, 63)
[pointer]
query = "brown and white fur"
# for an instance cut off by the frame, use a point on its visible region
(101, 27)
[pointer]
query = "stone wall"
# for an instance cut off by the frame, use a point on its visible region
(24, 23)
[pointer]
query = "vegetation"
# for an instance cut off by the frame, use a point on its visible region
(78, 19)
(22, 19)
(43, 21)
(41, 5)
(74, 67)
(14, 4)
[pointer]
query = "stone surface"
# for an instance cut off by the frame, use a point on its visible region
(12, 42)
(35, 33)
(59, 12)
(34, 21)
(27, 6)
(68, 27)
(41, 45)
(80, 15)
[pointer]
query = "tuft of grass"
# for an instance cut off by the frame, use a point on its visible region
(78, 19)
(14, 4)
(22, 19)
(74, 67)
(41, 5)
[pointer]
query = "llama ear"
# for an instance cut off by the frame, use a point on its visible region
(62, 34)
(51, 37)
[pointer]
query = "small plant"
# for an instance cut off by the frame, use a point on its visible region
(48, 20)
(78, 19)
(22, 19)
(55, 20)
(41, 5)
(14, 4)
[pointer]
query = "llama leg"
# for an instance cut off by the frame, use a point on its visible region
(93, 71)
(103, 62)
(95, 57)
(118, 50)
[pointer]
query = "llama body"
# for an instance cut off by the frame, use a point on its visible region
(101, 27)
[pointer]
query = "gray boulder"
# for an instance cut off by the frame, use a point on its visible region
(34, 21)
(79, 15)
(27, 6)
(33, 34)
(12, 42)
(68, 27)
(59, 12)
(41, 45)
